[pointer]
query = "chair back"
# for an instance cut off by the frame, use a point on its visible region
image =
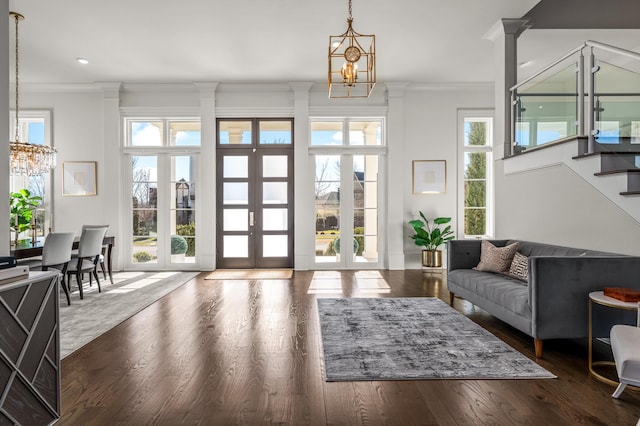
(91, 242)
(57, 248)
(94, 226)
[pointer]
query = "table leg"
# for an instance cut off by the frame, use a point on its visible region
(599, 363)
(109, 268)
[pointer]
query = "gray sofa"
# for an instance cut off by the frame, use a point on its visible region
(553, 303)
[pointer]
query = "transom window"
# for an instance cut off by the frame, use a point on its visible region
(346, 132)
(163, 132)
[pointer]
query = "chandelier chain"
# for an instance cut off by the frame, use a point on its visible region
(17, 19)
(350, 17)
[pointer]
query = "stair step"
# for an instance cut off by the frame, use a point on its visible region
(605, 153)
(618, 171)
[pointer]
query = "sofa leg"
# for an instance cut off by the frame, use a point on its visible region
(538, 345)
(451, 297)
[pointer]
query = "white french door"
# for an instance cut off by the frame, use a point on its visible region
(162, 223)
(347, 193)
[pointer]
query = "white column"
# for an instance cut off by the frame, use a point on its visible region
(395, 176)
(504, 35)
(4, 128)
(304, 203)
(206, 216)
(110, 172)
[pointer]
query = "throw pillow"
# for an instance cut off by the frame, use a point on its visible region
(519, 267)
(496, 259)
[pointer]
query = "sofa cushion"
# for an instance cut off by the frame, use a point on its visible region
(496, 259)
(519, 267)
(529, 248)
(510, 293)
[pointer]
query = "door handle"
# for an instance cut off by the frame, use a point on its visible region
(250, 218)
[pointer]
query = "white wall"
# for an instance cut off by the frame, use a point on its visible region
(556, 205)
(431, 134)
(77, 129)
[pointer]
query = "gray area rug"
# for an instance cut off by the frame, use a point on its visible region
(412, 338)
(86, 319)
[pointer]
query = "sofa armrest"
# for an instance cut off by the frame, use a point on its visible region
(465, 254)
(559, 288)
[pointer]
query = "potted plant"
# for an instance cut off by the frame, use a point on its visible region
(429, 235)
(22, 206)
(178, 248)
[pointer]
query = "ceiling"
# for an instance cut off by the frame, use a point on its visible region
(420, 41)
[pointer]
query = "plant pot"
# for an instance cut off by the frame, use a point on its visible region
(432, 258)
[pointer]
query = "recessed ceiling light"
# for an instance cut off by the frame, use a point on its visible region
(83, 61)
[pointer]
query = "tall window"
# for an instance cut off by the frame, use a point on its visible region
(163, 155)
(34, 127)
(476, 134)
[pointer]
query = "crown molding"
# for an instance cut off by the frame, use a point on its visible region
(262, 112)
(60, 88)
(437, 87)
(160, 112)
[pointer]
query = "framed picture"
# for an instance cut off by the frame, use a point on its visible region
(429, 176)
(79, 178)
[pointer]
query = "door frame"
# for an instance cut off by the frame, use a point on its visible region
(255, 151)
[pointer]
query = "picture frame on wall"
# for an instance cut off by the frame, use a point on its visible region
(429, 176)
(79, 178)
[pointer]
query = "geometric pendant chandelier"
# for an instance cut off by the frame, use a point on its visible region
(352, 63)
(26, 158)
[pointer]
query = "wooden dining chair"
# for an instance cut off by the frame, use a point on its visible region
(89, 250)
(56, 254)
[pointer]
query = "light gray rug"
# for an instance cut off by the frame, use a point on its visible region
(410, 339)
(97, 313)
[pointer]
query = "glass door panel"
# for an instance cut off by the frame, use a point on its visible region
(183, 209)
(274, 221)
(235, 226)
(365, 208)
(327, 201)
(144, 244)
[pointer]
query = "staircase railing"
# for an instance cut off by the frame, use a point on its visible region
(599, 103)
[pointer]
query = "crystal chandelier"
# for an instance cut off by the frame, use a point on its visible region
(352, 63)
(26, 158)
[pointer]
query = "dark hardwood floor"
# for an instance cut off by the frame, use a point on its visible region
(249, 352)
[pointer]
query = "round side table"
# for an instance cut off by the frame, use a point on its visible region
(599, 298)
